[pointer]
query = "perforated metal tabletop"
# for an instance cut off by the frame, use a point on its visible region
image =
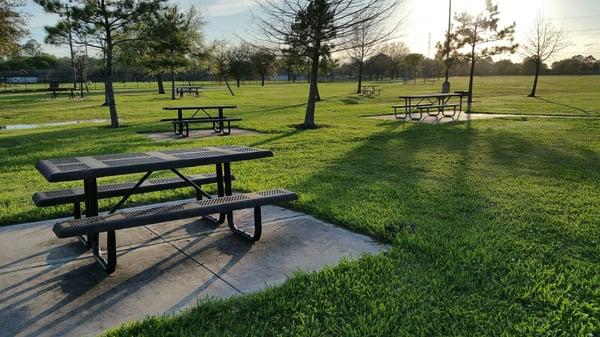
(89, 167)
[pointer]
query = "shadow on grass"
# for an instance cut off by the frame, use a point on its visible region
(565, 105)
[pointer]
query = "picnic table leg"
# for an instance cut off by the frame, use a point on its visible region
(220, 193)
(221, 122)
(90, 189)
(179, 124)
(230, 222)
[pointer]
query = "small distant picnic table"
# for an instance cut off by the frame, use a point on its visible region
(370, 90)
(189, 90)
(180, 122)
(437, 101)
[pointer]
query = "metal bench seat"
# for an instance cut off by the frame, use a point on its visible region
(128, 219)
(76, 195)
(217, 124)
(439, 108)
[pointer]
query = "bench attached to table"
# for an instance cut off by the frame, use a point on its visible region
(218, 124)
(420, 108)
(76, 196)
(128, 219)
(189, 90)
(439, 108)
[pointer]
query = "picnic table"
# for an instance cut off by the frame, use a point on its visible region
(370, 90)
(438, 102)
(89, 168)
(181, 124)
(55, 91)
(189, 90)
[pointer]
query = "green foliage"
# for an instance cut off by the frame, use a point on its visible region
(264, 62)
(12, 27)
(477, 31)
(493, 228)
(39, 62)
(313, 30)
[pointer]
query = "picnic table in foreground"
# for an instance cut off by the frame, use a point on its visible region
(438, 102)
(89, 168)
(181, 124)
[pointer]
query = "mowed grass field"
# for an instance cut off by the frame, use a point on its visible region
(494, 226)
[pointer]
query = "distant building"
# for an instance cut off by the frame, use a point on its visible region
(21, 79)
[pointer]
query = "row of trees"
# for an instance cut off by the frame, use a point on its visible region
(378, 67)
(161, 38)
(303, 34)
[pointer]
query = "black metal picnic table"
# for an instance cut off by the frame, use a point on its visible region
(435, 98)
(90, 168)
(179, 129)
(188, 89)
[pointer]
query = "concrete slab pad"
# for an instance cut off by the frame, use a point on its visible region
(76, 298)
(202, 133)
(296, 244)
(463, 117)
(31, 245)
(53, 287)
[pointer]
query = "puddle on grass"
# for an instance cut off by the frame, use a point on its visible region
(42, 125)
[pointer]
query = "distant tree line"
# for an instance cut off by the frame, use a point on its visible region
(244, 65)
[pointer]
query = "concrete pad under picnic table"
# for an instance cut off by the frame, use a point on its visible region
(462, 116)
(199, 133)
(53, 287)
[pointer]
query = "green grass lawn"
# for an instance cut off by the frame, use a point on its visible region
(495, 227)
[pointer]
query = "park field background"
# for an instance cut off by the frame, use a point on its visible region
(493, 225)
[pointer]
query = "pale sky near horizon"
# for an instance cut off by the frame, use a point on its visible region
(423, 18)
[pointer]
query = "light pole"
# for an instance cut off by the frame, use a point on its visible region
(446, 84)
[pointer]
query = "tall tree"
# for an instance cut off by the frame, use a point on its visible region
(412, 62)
(263, 61)
(221, 55)
(316, 28)
(108, 23)
(173, 37)
(62, 33)
(543, 41)
(240, 64)
(482, 37)
(365, 40)
(396, 51)
(31, 48)
(12, 27)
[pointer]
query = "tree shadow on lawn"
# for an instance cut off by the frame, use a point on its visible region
(426, 189)
(565, 105)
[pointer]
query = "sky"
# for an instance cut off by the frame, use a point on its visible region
(424, 21)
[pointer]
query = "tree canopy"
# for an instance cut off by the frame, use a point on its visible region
(12, 26)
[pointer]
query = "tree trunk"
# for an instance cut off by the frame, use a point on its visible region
(470, 98)
(228, 86)
(110, 95)
(161, 86)
(172, 84)
(318, 94)
(360, 75)
(309, 118)
(262, 80)
(535, 80)
(72, 53)
(237, 81)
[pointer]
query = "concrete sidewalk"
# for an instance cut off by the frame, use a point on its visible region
(53, 287)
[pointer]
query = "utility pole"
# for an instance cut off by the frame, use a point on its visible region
(69, 27)
(446, 84)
